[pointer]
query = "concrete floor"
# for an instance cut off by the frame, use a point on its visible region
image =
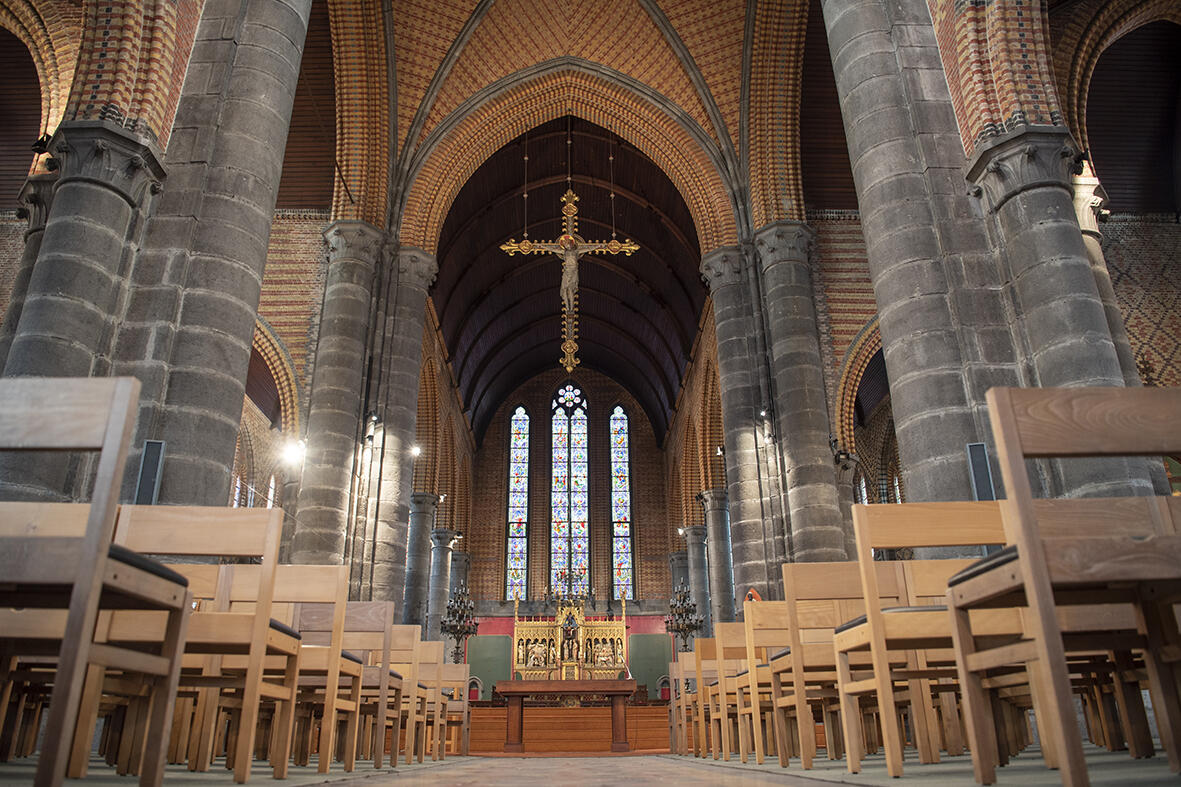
(1105, 768)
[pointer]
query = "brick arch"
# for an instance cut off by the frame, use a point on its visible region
(565, 86)
(863, 347)
(691, 479)
(362, 106)
(282, 368)
(446, 475)
(136, 81)
(426, 434)
(50, 31)
(714, 466)
(463, 497)
(776, 178)
(1092, 27)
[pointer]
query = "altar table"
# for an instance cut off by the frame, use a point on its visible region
(515, 692)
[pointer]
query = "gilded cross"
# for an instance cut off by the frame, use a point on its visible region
(570, 246)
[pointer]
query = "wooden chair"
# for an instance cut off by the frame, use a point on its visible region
(410, 719)
(48, 562)
(457, 713)
(767, 636)
(721, 694)
(228, 644)
(680, 713)
(369, 632)
(1114, 551)
(705, 666)
(434, 705)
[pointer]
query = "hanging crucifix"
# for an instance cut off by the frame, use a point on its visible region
(570, 246)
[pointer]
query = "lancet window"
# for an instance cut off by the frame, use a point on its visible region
(569, 504)
(517, 560)
(622, 566)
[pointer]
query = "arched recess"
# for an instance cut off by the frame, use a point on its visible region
(1093, 26)
(463, 497)
(446, 477)
(426, 434)
(568, 86)
(272, 350)
(691, 478)
(861, 350)
(713, 464)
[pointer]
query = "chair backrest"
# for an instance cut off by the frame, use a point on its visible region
(822, 596)
(1083, 422)
(705, 661)
(405, 643)
(69, 414)
(766, 629)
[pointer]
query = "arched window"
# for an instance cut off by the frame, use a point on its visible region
(860, 488)
(271, 493)
(621, 508)
(517, 557)
(569, 567)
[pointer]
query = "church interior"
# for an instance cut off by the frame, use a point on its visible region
(425, 380)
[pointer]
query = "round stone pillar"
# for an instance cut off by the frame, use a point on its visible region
(698, 570)
(442, 539)
(785, 251)
(721, 568)
(334, 409)
(418, 556)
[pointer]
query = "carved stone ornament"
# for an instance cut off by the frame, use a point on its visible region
(785, 241)
(36, 197)
(353, 240)
(416, 267)
(724, 267)
(103, 153)
(713, 499)
(1089, 199)
(1027, 158)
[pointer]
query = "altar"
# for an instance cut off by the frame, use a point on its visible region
(570, 646)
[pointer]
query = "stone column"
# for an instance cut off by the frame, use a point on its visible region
(678, 569)
(36, 197)
(460, 565)
(721, 569)
(334, 410)
(941, 305)
(1024, 178)
(698, 568)
(401, 362)
(785, 251)
(442, 539)
(727, 271)
(74, 291)
(418, 556)
(192, 316)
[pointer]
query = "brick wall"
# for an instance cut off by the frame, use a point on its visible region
(650, 527)
(1142, 256)
(12, 246)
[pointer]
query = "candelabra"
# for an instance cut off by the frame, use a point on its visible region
(682, 619)
(460, 622)
(565, 579)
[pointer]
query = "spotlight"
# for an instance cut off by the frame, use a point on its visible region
(720, 452)
(415, 450)
(294, 451)
(680, 531)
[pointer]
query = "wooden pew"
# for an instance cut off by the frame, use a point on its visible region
(46, 562)
(1115, 551)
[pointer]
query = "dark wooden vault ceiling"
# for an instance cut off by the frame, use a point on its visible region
(501, 315)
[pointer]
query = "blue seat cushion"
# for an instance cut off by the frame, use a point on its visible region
(780, 654)
(353, 657)
(134, 559)
(396, 674)
(980, 567)
(861, 619)
(284, 628)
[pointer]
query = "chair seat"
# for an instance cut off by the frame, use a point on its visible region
(353, 657)
(861, 619)
(283, 627)
(134, 559)
(780, 654)
(980, 567)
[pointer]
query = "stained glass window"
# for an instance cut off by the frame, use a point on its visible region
(517, 561)
(623, 576)
(569, 499)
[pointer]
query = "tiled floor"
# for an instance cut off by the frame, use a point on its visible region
(1113, 770)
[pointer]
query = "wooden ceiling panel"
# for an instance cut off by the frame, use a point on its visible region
(20, 95)
(309, 160)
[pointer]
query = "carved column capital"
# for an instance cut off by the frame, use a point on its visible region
(416, 267)
(1089, 199)
(1027, 158)
(785, 241)
(713, 499)
(443, 537)
(694, 534)
(98, 151)
(724, 267)
(35, 198)
(353, 240)
(423, 503)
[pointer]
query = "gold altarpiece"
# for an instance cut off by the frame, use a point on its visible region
(568, 646)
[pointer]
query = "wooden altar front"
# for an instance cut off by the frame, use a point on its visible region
(569, 646)
(515, 692)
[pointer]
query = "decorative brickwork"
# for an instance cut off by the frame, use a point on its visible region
(282, 370)
(425, 30)
(864, 347)
(548, 96)
(362, 112)
(51, 31)
(516, 34)
(996, 56)
(651, 526)
(293, 284)
(713, 32)
(776, 185)
(258, 458)
(1081, 32)
(132, 65)
(878, 452)
(1141, 253)
(12, 245)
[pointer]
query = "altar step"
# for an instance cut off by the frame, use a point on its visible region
(550, 731)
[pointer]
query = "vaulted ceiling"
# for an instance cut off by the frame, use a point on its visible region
(501, 315)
